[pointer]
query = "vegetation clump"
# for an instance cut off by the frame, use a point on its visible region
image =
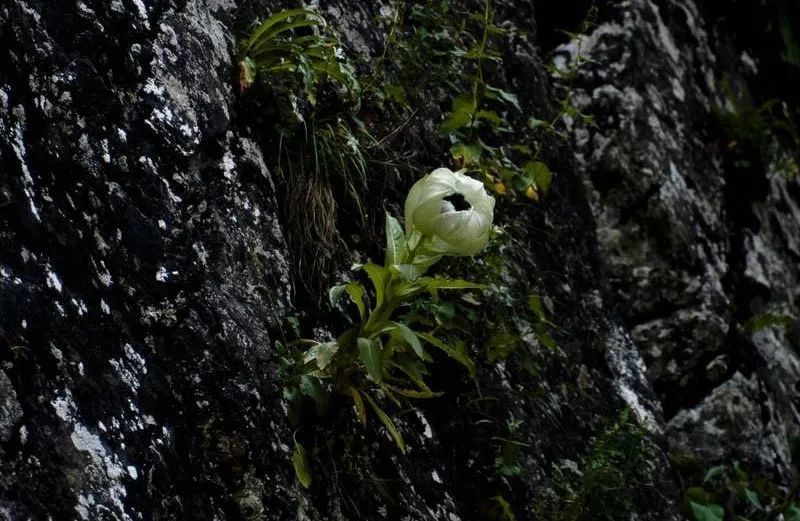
(617, 472)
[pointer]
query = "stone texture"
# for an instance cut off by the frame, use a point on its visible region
(691, 248)
(145, 278)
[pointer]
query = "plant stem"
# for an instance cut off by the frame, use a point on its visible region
(477, 82)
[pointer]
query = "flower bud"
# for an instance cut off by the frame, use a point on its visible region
(451, 210)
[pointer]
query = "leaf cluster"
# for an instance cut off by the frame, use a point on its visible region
(728, 492)
(382, 357)
(293, 42)
(612, 477)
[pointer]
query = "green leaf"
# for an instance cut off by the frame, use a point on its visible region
(412, 368)
(387, 422)
(766, 320)
(356, 292)
(395, 242)
(369, 352)
(450, 351)
(523, 149)
(508, 97)
(397, 93)
(537, 306)
(301, 465)
(276, 24)
(411, 272)
(505, 508)
(469, 154)
(335, 294)
(411, 339)
(360, 409)
(313, 387)
(539, 173)
(500, 345)
(537, 123)
(713, 472)
(521, 182)
(697, 494)
(410, 393)
(431, 283)
(752, 498)
(792, 513)
(380, 278)
(463, 109)
(544, 337)
(325, 353)
(490, 116)
(709, 512)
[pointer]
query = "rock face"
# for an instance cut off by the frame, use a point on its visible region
(694, 246)
(145, 275)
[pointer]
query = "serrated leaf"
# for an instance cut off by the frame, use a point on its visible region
(450, 351)
(709, 512)
(395, 242)
(301, 468)
(369, 352)
(387, 422)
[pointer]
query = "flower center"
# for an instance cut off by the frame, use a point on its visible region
(455, 203)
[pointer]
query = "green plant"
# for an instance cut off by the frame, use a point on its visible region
(507, 461)
(382, 356)
(729, 492)
(275, 48)
(765, 134)
(616, 472)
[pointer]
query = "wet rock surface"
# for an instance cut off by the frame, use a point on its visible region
(145, 275)
(693, 246)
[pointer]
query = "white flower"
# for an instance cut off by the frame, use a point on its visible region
(452, 210)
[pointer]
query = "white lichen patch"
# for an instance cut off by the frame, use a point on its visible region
(18, 146)
(628, 368)
(142, 10)
(427, 431)
(102, 491)
(52, 279)
(228, 165)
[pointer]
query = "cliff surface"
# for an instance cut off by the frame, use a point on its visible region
(148, 266)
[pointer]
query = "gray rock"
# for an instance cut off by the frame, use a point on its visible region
(10, 409)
